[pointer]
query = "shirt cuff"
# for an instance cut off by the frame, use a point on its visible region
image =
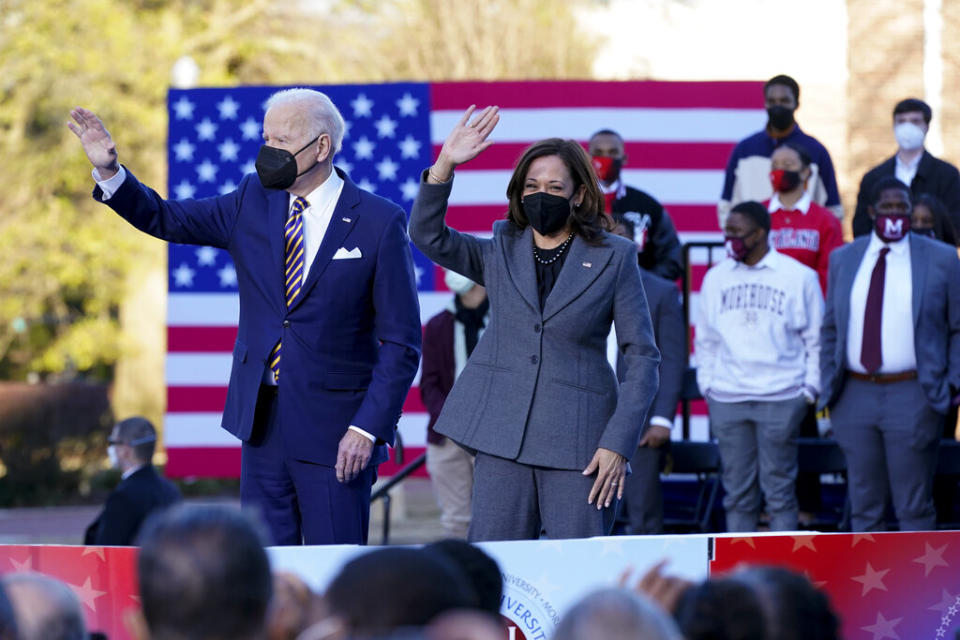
(660, 421)
(368, 436)
(110, 185)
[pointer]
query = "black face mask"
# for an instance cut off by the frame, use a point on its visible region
(780, 117)
(546, 212)
(277, 168)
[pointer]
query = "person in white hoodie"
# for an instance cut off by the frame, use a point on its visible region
(757, 351)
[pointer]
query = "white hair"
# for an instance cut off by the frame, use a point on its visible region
(322, 115)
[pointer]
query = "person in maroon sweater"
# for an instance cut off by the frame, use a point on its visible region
(448, 340)
(799, 227)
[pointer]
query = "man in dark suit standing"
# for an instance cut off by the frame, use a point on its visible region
(141, 490)
(328, 336)
(912, 165)
(890, 360)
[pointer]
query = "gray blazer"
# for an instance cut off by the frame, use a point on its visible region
(538, 388)
(935, 271)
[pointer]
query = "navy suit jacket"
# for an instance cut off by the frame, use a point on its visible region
(935, 271)
(128, 506)
(351, 341)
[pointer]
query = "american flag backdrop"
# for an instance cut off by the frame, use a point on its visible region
(678, 137)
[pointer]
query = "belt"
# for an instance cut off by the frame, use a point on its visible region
(884, 378)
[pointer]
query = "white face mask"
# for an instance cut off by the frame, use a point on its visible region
(909, 136)
(112, 454)
(457, 283)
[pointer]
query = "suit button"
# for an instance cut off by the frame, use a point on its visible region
(286, 324)
(536, 328)
(534, 359)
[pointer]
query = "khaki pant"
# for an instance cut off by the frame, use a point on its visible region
(451, 473)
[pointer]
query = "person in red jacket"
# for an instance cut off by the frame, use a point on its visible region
(799, 227)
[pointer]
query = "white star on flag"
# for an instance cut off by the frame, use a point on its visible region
(346, 128)
(408, 105)
(871, 580)
(931, 558)
(386, 128)
(250, 167)
(410, 188)
(228, 150)
(250, 129)
(206, 256)
(183, 276)
(228, 108)
(362, 106)
(184, 190)
(363, 148)
(418, 272)
(207, 171)
(883, 628)
(366, 185)
(94, 551)
(227, 187)
(184, 150)
(183, 108)
(346, 166)
(228, 276)
(206, 130)
(387, 169)
(87, 594)
(409, 147)
(26, 565)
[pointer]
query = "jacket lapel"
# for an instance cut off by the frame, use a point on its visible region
(518, 253)
(581, 267)
(918, 275)
(845, 284)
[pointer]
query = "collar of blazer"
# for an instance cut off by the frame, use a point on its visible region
(582, 266)
(337, 231)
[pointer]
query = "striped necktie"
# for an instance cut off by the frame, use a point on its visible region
(293, 273)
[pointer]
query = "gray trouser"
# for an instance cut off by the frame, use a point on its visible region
(890, 436)
(642, 493)
(758, 449)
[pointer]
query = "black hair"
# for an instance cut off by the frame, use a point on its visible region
(785, 81)
(795, 609)
(887, 183)
(755, 212)
(914, 104)
(481, 570)
(138, 432)
(606, 132)
(204, 574)
(805, 158)
(942, 225)
(721, 608)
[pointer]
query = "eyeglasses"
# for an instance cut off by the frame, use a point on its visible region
(115, 442)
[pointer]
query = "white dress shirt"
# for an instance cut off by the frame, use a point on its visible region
(896, 320)
(905, 172)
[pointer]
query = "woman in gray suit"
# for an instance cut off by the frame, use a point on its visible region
(537, 400)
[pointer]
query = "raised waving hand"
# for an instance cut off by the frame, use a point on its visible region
(96, 141)
(465, 142)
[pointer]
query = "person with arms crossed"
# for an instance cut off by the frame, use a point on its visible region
(538, 400)
(329, 331)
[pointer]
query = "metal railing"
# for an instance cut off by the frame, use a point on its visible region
(383, 493)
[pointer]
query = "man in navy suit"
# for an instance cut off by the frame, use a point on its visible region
(890, 360)
(329, 331)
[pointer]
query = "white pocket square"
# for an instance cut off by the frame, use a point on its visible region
(343, 254)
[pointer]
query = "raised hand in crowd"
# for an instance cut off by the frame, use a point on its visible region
(465, 142)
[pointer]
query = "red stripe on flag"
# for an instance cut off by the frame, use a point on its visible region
(640, 155)
(414, 403)
(196, 399)
(695, 218)
(547, 94)
(203, 462)
(201, 339)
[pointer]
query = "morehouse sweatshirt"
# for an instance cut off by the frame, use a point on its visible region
(758, 330)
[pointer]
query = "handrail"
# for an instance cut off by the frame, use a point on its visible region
(383, 493)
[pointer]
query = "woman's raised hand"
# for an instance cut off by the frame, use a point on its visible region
(465, 142)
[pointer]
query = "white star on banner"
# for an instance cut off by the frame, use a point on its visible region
(363, 149)
(228, 276)
(94, 551)
(184, 150)
(946, 600)
(206, 130)
(183, 275)
(408, 105)
(418, 273)
(228, 150)
(250, 167)
(545, 586)
(346, 166)
(184, 108)
(346, 128)
(611, 545)
(387, 169)
(409, 147)
(803, 542)
(871, 580)
(386, 128)
(883, 628)
(206, 171)
(228, 108)
(931, 558)
(410, 188)
(26, 565)
(366, 185)
(87, 594)
(861, 537)
(206, 256)
(250, 129)
(362, 106)
(227, 187)
(184, 190)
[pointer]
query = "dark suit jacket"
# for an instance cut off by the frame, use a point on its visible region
(666, 312)
(538, 388)
(934, 176)
(135, 498)
(935, 272)
(351, 341)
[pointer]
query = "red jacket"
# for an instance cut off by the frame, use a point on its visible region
(807, 233)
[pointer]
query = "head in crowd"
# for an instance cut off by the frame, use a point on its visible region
(911, 121)
(623, 226)
(44, 608)
(790, 168)
(607, 155)
(481, 571)
(891, 209)
(8, 621)
(553, 186)
(292, 607)
(132, 443)
(781, 95)
(794, 608)
(721, 608)
(389, 588)
(203, 575)
(930, 218)
(616, 614)
(746, 231)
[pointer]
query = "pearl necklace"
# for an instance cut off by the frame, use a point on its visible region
(560, 250)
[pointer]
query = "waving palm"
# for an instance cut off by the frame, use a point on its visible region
(96, 140)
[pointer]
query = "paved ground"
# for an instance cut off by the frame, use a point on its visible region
(414, 519)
